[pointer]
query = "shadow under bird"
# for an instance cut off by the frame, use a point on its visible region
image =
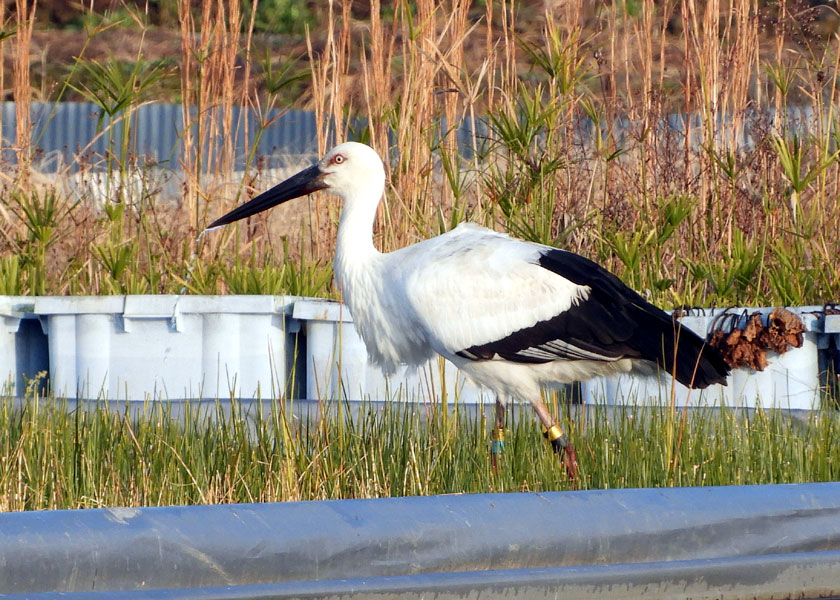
(513, 315)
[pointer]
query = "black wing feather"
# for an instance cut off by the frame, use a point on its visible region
(613, 322)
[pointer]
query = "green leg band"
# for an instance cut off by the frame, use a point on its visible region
(497, 446)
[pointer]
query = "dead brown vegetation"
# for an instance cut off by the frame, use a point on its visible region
(657, 137)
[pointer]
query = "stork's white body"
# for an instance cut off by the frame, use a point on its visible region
(467, 287)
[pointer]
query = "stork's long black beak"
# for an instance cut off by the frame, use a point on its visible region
(307, 181)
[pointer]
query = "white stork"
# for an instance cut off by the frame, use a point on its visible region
(513, 315)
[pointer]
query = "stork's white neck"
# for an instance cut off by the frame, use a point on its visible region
(355, 254)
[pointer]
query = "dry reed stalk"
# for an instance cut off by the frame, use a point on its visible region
(779, 120)
(509, 75)
(209, 77)
(22, 89)
(377, 77)
(490, 50)
(822, 97)
(688, 91)
(220, 34)
(568, 36)
(742, 69)
(626, 62)
(434, 84)
(645, 45)
(328, 69)
(249, 98)
(658, 185)
(743, 66)
(609, 87)
(2, 55)
(408, 109)
(228, 14)
(831, 116)
(341, 106)
(667, 12)
(707, 54)
(454, 65)
(471, 88)
(417, 107)
(329, 77)
(376, 80)
(319, 66)
(189, 161)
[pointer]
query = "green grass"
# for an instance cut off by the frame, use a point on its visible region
(53, 456)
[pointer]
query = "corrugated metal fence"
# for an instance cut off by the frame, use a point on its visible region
(66, 132)
(69, 134)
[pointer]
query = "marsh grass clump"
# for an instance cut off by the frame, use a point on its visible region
(61, 455)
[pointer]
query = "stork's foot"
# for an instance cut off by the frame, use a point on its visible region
(570, 461)
(564, 449)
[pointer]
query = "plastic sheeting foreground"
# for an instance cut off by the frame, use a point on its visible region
(723, 542)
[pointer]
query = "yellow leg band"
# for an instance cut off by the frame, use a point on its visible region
(554, 433)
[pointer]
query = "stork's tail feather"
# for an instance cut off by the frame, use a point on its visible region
(696, 364)
(684, 354)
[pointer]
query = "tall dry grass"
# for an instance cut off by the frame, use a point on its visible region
(24, 22)
(659, 138)
(211, 84)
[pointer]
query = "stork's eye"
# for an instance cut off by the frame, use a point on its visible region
(337, 159)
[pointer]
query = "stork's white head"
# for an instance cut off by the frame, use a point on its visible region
(351, 170)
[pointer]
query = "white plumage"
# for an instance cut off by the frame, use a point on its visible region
(512, 314)
(467, 287)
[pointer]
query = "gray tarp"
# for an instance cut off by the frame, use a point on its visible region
(732, 542)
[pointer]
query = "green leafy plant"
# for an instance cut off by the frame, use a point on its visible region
(117, 88)
(282, 16)
(731, 281)
(41, 215)
(791, 156)
(11, 281)
(642, 252)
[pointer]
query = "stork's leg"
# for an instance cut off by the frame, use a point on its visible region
(559, 442)
(497, 437)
